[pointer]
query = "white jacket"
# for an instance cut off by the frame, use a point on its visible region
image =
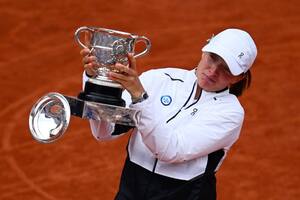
(177, 132)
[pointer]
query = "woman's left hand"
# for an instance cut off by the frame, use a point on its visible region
(128, 77)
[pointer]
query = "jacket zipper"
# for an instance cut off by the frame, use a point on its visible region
(183, 104)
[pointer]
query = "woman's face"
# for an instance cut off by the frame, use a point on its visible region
(213, 74)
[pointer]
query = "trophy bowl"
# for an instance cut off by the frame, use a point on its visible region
(109, 47)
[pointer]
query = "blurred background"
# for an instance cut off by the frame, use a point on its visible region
(39, 55)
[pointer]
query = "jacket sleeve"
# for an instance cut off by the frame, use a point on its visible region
(211, 130)
(103, 130)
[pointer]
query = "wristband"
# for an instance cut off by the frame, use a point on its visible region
(141, 98)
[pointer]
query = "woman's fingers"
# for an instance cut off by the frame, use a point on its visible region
(122, 69)
(89, 59)
(121, 73)
(85, 52)
(89, 62)
(90, 69)
(132, 61)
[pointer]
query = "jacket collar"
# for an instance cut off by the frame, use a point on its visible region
(207, 95)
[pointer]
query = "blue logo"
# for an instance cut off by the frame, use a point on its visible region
(90, 114)
(166, 100)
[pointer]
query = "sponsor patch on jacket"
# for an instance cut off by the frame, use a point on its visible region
(166, 100)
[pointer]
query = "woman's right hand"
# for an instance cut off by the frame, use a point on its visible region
(89, 62)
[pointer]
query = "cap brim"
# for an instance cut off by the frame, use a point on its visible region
(234, 67)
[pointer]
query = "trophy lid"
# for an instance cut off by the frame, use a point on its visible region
(49, 117)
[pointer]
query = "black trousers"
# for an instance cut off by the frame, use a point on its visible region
(138, 183)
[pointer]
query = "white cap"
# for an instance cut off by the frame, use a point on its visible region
(236, 47)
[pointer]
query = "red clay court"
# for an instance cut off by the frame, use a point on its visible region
(39, 55)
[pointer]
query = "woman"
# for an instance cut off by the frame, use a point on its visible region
(189, 119)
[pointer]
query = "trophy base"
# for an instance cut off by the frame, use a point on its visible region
(102, 94)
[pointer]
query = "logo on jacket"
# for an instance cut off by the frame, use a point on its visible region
(194, 111)
(166, 100)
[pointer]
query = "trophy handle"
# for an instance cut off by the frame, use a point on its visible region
(49, 117)
(79, 31)
(148, 45)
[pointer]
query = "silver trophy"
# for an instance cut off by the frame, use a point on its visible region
(109, 47)
(101, 98)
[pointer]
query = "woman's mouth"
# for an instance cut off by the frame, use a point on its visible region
(209, 79)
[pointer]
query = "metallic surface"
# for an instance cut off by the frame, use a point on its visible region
(109, 47)
(49, 117)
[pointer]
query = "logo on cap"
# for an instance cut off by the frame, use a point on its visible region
(166, 100)
(241, 55)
